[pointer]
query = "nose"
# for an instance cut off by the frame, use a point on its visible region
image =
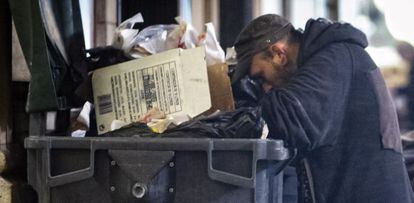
(255, 72)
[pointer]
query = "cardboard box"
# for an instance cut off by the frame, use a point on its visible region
(174, 81)
(220, 88)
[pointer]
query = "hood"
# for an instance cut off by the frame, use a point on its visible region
(321, 32)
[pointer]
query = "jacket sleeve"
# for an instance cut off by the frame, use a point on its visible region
(307, 113)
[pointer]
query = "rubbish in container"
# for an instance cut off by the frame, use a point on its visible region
(208, 39)
(153, 39)
(214, 52)
(125, 33)
(153, 113)
(158, 38)
(78, 133)
(129, 92)
(84, 114)
(220, 88)
(161, 125)
(116, 124)
(157, 121)
(174, 81)
(135, 129)
(81, 124)
(242, 123)
(99, 57)
(189, 37)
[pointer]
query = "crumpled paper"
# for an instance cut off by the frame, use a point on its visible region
(158, 122)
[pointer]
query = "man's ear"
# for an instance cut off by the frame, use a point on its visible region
(279, 53)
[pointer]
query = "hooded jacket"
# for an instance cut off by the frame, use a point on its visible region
(338, 113)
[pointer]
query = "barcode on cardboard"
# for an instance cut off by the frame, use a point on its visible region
(105, 104)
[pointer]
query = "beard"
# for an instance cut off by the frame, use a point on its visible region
(282, 74)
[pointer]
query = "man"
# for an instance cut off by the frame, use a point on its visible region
(327, 98)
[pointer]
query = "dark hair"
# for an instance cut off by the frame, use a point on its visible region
(293, 36)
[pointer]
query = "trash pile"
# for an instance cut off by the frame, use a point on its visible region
(158, 38)
(244, 122)
(168, 81)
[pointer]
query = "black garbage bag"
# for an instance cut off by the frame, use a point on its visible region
(131, 130)
(247, 92)
(244, 122)
(98, 57)
(104, 56)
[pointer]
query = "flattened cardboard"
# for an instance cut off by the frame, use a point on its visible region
(174, 81)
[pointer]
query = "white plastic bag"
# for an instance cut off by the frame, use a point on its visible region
(154, 39)
(158, 38)
(214, 52)
(190, 37)
(125, 33)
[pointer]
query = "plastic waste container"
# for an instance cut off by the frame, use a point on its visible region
(110, 169)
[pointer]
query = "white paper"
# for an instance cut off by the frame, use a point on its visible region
(79, 133)
(84, 114)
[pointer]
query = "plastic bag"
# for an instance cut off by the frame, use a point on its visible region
(214, 52)
(104, 56)
(247, 92)
(154, 39)
(242, 123)
(208, 39)
(131, 130)
(158, 38)
(190, 37)
(125, 33)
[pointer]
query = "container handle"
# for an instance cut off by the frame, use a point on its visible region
(225, 177)
(72, 176)
(238, 180)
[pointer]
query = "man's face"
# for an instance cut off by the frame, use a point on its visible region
(268, 70)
